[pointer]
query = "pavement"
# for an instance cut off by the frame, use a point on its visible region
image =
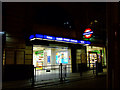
(74, 80)
(98, 82)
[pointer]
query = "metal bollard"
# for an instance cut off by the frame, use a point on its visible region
(33, 82)
(59, 71)
(96, 68)
(61, 79)
(35, 73)
(65, 71)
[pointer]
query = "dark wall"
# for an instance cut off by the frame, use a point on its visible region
(17, 72)
(113, 45)
(73, 55)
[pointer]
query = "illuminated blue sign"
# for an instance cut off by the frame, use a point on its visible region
(31, 37)
(82, 42)
(59, 39)
(88, 33)
(49, 37)
(66, 39)
(38, 36)
(73, 41)
(46, 37)
(87, 42)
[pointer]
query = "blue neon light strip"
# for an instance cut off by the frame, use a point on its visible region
(59, 39)
(87, 33)
(82, 42)
(49, 37)
(66, 39)
(73, 41)
(88, 42)
(38, 35)
(31, 37)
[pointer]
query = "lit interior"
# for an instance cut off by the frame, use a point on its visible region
(46, 56)
(94, 52)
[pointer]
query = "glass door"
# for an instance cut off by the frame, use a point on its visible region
(92, 59)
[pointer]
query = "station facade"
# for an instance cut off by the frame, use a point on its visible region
(28, 44)
(42, 50)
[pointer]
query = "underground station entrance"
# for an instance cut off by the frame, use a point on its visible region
(50, 61)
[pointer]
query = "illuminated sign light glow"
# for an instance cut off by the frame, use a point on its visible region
(38, 36)
(74, 41)
(49, 37)
(67, 40)
(87, 33)
(59, 39)
(31, 37)
(82, 42)
(87, 42)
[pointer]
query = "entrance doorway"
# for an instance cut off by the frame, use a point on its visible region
(92, 59)
(96, 53)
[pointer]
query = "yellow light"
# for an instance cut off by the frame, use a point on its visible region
(91, 23)
(32, 39)
(95, 21)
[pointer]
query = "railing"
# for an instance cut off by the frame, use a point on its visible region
(64, 71)
(52, 72)
(61, 72)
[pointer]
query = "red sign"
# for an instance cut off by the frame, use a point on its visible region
(87, 33)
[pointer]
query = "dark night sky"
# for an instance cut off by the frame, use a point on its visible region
(79, 14)
(79, 11)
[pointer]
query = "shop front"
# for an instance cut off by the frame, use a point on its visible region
(95, 54)
(55, 50)
(50, 52)
(50, 57)
(43, 55)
